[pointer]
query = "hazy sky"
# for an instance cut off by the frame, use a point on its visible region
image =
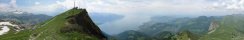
(127, 7)
(135, 11)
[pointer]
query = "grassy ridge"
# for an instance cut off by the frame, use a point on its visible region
(228, 29)
(50, 30)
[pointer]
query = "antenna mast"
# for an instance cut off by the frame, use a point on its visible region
(74, 8)
(74, 3)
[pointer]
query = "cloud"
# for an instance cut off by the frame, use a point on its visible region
(230, 4)
(3, 6)
(56, 7)
(50, 8)
(166, 7)
(148, 7)
(6, 7)
(13, 4)
(38, 7)
(42, 8)
(128, 7)
(71, 3)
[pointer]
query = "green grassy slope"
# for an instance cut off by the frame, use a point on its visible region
(50, 30)
(228, 29)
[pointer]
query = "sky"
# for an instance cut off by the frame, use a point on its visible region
(135, 12)
(127, 7)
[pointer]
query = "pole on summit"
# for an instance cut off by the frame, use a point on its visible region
(74, 3)
(74, 8)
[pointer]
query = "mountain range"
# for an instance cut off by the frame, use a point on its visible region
(227, 27)
(76, 24)
(24, 19)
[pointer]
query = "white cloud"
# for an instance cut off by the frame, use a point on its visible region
(56, 6)
(6, 7)
(37, 8)
(148, 7)
(42, 8)
(68, 4)
(3, 6)
(142, 7)
(13, 4)
(230, 4)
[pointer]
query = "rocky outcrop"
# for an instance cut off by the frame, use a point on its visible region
(82, 23)
(213, 26)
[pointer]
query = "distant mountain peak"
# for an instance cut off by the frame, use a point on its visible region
(18, 12)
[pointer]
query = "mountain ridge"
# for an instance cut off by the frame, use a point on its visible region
(60, 28)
